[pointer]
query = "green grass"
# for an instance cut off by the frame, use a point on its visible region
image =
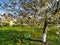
(13, 36)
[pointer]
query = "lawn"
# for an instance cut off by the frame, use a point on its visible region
(14, 35)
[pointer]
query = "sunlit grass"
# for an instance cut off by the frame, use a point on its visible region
(13, 35)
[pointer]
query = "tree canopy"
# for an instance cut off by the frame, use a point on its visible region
(30, 6)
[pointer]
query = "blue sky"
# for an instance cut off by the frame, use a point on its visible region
(1, 10)
(1, 0)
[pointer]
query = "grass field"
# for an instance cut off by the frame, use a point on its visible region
(13, 36)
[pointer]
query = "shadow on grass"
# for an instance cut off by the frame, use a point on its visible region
(12, 37)
(8, 36)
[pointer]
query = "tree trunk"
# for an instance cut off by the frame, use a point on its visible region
(44, 31)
